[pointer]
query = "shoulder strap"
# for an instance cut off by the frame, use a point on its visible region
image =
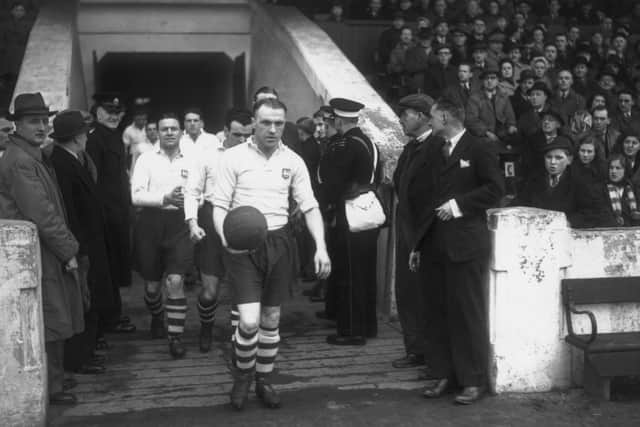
(375, 156)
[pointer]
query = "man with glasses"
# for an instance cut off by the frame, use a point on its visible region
(198, 209)
(442, 74)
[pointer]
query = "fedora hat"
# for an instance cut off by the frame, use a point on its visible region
(68, 124)
(29, 104)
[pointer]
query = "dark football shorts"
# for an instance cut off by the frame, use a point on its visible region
(267, 274)
(209, 251)
(162, 243)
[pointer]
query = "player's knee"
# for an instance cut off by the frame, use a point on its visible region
(270, 317)
(249, 325)
(209, 288)
(152, 288)
(174, 283)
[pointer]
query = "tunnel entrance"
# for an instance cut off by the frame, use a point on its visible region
(174, 81)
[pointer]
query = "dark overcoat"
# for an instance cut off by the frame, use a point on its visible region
(28, 192)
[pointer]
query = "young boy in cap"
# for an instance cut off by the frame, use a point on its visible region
(346, 167)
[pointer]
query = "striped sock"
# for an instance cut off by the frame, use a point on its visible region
(245, 346)
(235, 319)
(207, 310)
(268, 341)
(176, 315)
(154, 303)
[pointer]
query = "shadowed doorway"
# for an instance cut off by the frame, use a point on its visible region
(174, 81)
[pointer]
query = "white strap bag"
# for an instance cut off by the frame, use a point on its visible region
(365, 211)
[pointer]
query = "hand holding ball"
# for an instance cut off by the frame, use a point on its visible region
(244, 228)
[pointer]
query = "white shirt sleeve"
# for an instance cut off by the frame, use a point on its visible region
(225, 182)
(457, 213)
(194, 189)
(141, 195)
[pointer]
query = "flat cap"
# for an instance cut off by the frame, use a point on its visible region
(540, 86)
(306, 124)
(417, 101)
(489, 71)
(497, 36)
(555, 114)
(559, 143)
(478, 46)
(526, 74)
(345, 107)
(581, 59)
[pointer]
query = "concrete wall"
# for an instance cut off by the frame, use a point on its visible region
(23, 377)
(51, 62)
(161, 26)
(533, 251)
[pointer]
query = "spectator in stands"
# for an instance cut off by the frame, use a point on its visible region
(417, 60)
(589, 167)
(597, 100)
(506, 82)
(488, 112)
(472, 11)
(529, 122)
(6, 127)
(573, 36)
(607, 85)
(479, 56)
(396, 68)
(598, 49)
(389, 39)
(422, 23)
(514, 52)
(563, 57)
(374, 11)
(551, 55)
(459, 45)
(622, 205)
(626, 117)
(423, 8)
(537, 39)
(553, 18)
(14, 34)
(459, 93)
(492, 15)
(441, 32)
(320, 131)
(441, 74)
(606, 135)
(478, 31)
(336, 14)
(151, 132)
(524, 7)
(540, 65)
(565, 100)
(518, 28)
(520, 99)
(587, 14)
(580, 125)
(630, 149)
(440, 11)
(407, 9)
(496, 45)
(582, 84)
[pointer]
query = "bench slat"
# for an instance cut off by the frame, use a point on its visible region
(608, 342)
(602, 290)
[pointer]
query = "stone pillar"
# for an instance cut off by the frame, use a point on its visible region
(530, 255)
(23, 376)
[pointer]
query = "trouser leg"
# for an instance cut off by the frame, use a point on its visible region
(55, 365)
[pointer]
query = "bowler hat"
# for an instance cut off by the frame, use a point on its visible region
(29, 104)
(68, 124)
(418, 101)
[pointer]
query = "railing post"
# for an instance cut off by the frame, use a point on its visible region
(23, 374)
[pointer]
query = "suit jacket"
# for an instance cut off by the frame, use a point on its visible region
(86, 221)
(472, 176)
(489, 115)
(626, 124)
(437, 78)
(107, 150)
(457, 94)
(416, 64)
(569, 105)
(28, 192)
(414, 188)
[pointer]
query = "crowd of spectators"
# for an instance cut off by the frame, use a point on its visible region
(552, 84)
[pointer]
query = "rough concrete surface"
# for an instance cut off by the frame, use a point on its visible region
(320, 385)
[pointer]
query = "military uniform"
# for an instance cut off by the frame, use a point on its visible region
(347, 166)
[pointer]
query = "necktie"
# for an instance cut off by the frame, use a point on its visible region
(446, 149)
(554, 180)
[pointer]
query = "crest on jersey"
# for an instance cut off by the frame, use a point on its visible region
(184, 173)
(286, 173)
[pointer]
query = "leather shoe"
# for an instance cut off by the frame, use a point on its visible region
(69, 383)
(469, 395)
(62, 398)
(266, 393)
(91, 369)
(335, 339)
(157, 327)
(240, 391)
(176, 348)
(409, 361)
(206, 337)
(436, 390)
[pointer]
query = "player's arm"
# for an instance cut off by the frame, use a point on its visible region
(192, 194)
(225, 184)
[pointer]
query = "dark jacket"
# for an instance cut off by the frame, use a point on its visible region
(437, 78)
(485, 115)
(86, 221)
(568, 105)
(28, 192)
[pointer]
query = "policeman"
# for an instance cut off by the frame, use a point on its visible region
(198, 209)
(105, 146)
(263, 172)
(161, 234)
(346, 167)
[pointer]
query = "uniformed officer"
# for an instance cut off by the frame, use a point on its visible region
(263, 173)
(161, 234)
(105, 146)
(346, 167)
(198, 209)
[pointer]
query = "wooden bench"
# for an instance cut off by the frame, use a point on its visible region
(606, 355)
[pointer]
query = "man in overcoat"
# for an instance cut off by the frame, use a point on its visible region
(77, 176)
(28, 192)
